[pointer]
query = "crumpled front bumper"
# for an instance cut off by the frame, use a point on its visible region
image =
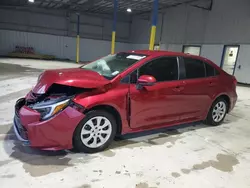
(55, 133)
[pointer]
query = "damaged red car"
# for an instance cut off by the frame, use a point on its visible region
(86, 107)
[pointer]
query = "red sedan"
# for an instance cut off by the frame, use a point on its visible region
(86, 107)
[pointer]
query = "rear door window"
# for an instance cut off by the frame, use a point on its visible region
(210, 71)
(194, 68)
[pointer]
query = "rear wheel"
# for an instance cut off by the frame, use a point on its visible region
(217, 112)
(95, 132)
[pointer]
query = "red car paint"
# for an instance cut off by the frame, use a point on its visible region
(161, 105)
(70, 77)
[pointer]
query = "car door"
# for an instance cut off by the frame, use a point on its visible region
(212, 79)
(157, 104)
(195, 96)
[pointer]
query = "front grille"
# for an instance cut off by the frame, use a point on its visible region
(21, 129)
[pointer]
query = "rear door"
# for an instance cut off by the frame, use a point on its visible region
(212, 79)
(195, 95)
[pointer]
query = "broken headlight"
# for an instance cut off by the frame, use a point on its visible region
(49, 108)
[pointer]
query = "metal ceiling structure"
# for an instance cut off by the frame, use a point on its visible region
(105, 6)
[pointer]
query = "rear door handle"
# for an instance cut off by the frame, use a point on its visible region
(211, 84)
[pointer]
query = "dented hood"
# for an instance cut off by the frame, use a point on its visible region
(76, 77)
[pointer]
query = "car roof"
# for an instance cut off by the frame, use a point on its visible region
(166, 53)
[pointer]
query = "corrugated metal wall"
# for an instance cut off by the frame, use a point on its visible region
(59, 46)
(53, 33)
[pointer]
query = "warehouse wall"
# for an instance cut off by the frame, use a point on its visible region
(54, 33)
(60, 46)
(227, 24)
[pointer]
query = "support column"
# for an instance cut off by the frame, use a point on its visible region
(114, 27)
(78, 39)
(153, 28)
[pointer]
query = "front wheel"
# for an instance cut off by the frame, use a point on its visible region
(95, 132)
(217, 112)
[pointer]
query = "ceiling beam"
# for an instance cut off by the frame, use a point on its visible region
(205, 8)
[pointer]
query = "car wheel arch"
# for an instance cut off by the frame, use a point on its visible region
(112, 110)
(225, 97)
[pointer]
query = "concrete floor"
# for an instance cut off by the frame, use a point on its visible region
(189, 156)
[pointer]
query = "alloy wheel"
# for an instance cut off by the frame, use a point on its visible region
(96, 131)
(219, 111)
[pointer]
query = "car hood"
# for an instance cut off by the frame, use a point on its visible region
(76, 77)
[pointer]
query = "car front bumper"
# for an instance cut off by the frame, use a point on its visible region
(55, 133)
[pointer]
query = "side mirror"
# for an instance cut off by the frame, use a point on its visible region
(145, 80)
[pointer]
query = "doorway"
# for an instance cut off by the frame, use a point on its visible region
(229, 58)
(192, 50)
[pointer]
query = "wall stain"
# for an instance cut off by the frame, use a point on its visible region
(95, 180)
(139, 174)
(143, 185)
(185, 171)
(84, 186)
(175, 174)
(224, 163)
(118, 172)
(8, 176)
(4, 162)
(108, 153)
(200, 149)
(39, 163)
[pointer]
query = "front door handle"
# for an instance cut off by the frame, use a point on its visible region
(178, 88)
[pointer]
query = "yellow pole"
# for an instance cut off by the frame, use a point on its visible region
(153, 28)
(114, 27)
(152, 38)
(77, 48)
(78, 39)
(113, 43)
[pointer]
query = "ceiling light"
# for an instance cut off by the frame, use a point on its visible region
(129, 10)
(31, 1)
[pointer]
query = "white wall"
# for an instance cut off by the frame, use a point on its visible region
(212, 52)
(63, 23)
(243, 74)
(227, 24)
(59, 46)
(53, 32)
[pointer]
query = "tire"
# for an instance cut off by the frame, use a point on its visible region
(90, 137)
(211, 117)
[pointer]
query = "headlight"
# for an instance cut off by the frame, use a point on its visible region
(48, 110)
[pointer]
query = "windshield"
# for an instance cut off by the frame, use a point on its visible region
(111, 65)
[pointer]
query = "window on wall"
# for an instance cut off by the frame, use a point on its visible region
(163, 69)
(193, 50)
(194, 68)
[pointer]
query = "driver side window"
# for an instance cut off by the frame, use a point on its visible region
(133, 78)
(163, 69)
